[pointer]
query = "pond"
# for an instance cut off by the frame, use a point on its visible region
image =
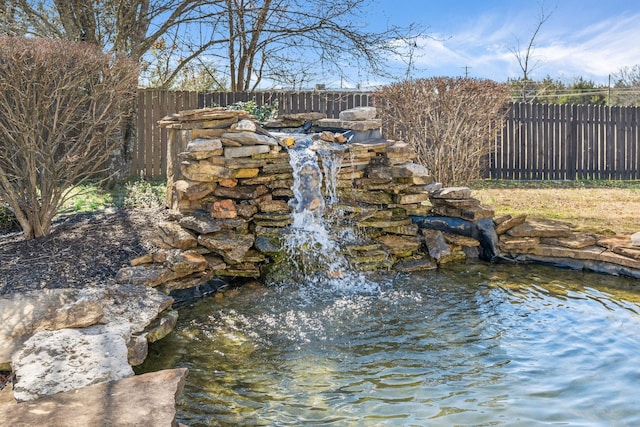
(468, 344)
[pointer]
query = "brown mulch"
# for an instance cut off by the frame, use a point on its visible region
(82, 250)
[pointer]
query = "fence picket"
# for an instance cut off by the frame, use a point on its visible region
(553, 142)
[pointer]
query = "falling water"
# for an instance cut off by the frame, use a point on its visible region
(311, 243)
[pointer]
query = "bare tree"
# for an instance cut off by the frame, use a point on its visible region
(124, 26)
(251, 40)
(62, 105)
(526, 60)
(450, 122)
(266, 37)
(626, 89)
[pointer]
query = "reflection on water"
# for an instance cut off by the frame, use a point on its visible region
(468, 345)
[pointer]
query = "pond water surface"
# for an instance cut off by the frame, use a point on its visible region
(471, 344)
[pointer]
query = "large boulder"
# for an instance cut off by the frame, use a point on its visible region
(50, 348)
(55, 361)
(22, 315)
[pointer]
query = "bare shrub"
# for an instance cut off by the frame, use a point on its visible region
(62, 105)
(450, 122)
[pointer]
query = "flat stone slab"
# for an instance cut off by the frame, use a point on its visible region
(245, 151)
(574, 241)
(358, 113)
(540, 228)
(360, 125)
(452, 193)
(142, 400)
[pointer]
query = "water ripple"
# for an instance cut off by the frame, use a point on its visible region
(510, 346)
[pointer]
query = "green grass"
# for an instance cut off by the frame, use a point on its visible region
(539, 184)
(601, 207)
(91, 197)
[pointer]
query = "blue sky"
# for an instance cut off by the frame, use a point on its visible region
(585, 38)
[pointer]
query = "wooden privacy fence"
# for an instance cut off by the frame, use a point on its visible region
(538, 141)
(149, 155)
(558, 142)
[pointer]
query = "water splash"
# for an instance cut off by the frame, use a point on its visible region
(310, 242)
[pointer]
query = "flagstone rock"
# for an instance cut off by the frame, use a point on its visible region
(540, 228)
(472, 213)
(507, 222)
(211, 133)
(400, 245)
(39, 363)
(459, 240)
(162, 326)
(198, 149)
(246, 192)
(246, 210)
(611, 242)
(630, 252)
(194, 191)
(176, 236)
(619, 259)
(224, 209)
(410, 170)
(228, 182)
(228, 244)
(245, 151)
(520, 245)
(200, 224)
(184, 263)
(452, 193)
(244, 125)
(436, 245)
(408, 199)
(22, 315)
(249, 138)
(412, 265)
(189, 281)
(358, 113)
(358, 125)
(211, 113)
(148, 399)
(269, 206)
(152, 275)
(574, 241)
(203, 172)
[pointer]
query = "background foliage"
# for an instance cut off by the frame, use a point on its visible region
(450, 122)
(62, 107)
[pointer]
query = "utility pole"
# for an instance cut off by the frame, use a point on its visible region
(466, 71)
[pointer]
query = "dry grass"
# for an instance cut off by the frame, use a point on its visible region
(601, 209)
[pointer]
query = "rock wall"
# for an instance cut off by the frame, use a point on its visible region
(560, 244)
(236, 184)
(233, 205)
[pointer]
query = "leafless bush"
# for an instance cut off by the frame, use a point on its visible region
(450, 122)
(61, 109)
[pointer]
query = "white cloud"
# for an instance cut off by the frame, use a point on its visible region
(593, 52)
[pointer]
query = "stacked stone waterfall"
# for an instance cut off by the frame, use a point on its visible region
(235, 181)
(233, 188)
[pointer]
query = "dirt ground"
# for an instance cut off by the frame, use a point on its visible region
(82, 250)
